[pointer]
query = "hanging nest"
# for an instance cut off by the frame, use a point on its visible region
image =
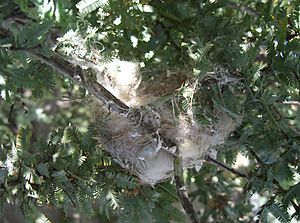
(148, 150)
(158, 121)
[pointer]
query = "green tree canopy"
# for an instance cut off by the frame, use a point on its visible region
(240, 59)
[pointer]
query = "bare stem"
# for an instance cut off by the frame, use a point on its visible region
(182, 192)
(209, 159)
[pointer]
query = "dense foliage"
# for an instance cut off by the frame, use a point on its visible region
(245, 58)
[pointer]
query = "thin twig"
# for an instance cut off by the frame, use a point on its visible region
(182, 192)
(69, 196)
(256, 157)
(209, 159)
(11, 110)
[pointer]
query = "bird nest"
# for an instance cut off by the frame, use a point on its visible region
(149, 152)
(146, 134)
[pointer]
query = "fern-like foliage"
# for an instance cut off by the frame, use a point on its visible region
(137, 208)
(122, 180)
(279, 212)
(66, 173)
(293, 192)
(33, 214)
(33, 76)
(264, 216)
(63, 179)
(73, 135)
(23, 139)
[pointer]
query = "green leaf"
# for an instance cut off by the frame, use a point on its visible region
(122, 180)
(74, 135)
(293, 192)
(279, 212)
(43, 169)
(33, 34)
(264, 216)
(113, 199)
(60, 176)
(33, 214)
(281, 171)
(23, 139)
(34, 76)
(56, 136)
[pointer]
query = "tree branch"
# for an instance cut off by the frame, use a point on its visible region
(74, 72)
(209, 159)
(181, 190)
